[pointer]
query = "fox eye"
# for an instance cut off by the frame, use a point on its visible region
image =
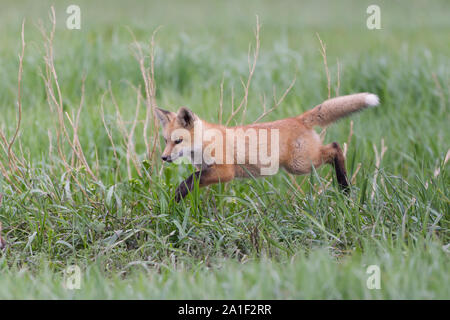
(178, 141)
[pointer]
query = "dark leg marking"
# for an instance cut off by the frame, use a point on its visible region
(186, 186)
(339, 167)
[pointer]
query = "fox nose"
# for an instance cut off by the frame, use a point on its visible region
(165, 158)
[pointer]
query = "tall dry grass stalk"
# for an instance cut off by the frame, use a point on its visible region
(19, 100)
(15, 161)
(54, 99)
(109, 134)
(252, 59)
(148, 76)
(128, 137)
(246, 85)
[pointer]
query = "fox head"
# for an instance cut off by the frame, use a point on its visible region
(178, 132)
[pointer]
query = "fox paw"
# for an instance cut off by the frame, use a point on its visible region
(181, 192)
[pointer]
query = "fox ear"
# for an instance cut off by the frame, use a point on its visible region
(186, 117)
(164, 116)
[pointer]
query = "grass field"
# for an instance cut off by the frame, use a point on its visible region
(82, 184)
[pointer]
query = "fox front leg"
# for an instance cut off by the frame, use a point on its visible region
(205, 177)
(186, 186)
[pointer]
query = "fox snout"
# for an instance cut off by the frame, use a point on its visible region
(166, 158)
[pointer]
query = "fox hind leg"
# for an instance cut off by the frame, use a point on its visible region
(332, 154)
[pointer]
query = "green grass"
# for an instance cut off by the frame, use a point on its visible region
(246, 239)
(316, 276)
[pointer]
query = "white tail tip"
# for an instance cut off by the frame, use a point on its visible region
(372, 100)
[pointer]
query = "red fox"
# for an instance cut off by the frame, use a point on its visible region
(223, 153)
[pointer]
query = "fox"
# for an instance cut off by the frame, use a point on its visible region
(296, 147)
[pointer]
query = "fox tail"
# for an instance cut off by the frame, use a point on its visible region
(333, 109)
